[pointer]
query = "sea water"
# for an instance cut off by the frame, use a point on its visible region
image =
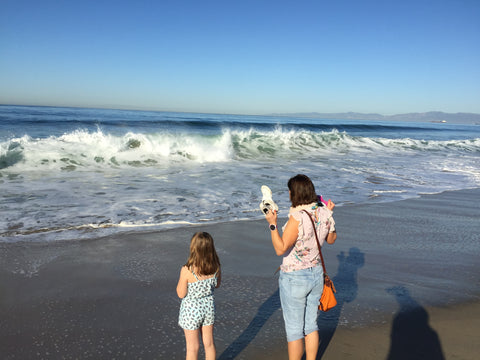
(70, 173)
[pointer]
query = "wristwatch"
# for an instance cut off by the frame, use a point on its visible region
(273, 227)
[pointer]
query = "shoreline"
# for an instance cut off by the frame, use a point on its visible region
(160, 228)
(114, 297)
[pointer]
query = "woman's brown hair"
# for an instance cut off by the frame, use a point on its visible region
(302, 191)
(203, 256)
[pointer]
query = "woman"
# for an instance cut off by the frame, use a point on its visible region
(301, 275)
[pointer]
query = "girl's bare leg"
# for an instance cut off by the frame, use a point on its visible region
(193, 343)
(208, 343)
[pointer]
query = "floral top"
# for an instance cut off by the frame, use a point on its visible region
(304, 253)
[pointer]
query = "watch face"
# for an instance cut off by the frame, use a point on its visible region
(272, 227)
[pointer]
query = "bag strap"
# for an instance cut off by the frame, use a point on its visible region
(318, 242)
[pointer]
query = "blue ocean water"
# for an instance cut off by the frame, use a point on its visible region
(69, 173)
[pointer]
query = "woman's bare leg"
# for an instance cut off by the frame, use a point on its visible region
(311, 345)
(295, 349)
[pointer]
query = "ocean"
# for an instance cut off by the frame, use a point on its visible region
(73, 173)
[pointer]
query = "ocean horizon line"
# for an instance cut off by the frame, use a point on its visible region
(427, 116)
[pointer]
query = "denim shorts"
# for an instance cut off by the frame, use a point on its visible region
(300, 293)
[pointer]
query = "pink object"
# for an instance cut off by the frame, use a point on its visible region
(320, 198)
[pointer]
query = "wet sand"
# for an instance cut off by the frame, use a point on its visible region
(406, 274)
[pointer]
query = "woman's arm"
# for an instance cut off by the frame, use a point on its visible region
(282, 243)
(331, 237)
(182, 286)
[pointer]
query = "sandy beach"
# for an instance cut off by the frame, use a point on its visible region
(407, 275)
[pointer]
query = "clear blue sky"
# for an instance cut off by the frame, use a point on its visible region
(245, 57)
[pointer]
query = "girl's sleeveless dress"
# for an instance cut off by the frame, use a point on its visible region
(198, 307)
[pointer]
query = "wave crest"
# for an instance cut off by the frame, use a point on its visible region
(83, 149)
(86, 149)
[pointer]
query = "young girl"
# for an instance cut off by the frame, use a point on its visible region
(198, 279)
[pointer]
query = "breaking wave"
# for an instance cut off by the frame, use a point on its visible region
(95, 149)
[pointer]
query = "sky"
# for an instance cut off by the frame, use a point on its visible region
(243, 57)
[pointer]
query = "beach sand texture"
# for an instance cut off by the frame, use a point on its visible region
(407, 275)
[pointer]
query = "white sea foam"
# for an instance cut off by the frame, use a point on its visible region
(82, 149)
(90, 182)
(389, 191)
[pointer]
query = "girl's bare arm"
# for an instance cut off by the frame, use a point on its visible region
(182, 283)
(219, 278)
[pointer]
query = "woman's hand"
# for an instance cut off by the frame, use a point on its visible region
(330, 205)
(271, 217)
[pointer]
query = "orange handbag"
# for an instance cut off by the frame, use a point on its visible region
(327, 300)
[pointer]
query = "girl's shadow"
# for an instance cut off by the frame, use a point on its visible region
(346, 285)
(265, 311)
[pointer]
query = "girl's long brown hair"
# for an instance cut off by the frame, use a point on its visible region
(203, 256)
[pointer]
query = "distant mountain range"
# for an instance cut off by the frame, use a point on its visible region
(432, 116)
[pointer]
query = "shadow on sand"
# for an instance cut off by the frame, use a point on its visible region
(265, 311)
(346, 285)
(412, 337)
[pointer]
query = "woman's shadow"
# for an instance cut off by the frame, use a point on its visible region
(346, 285)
